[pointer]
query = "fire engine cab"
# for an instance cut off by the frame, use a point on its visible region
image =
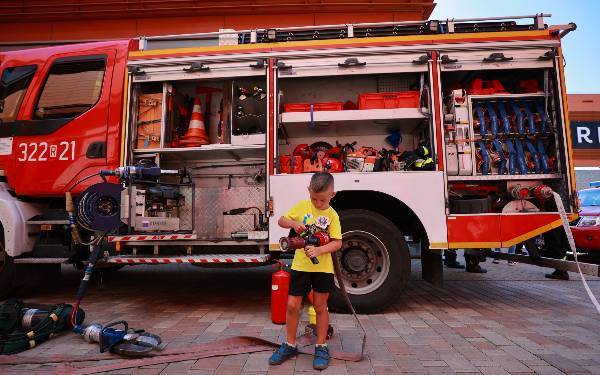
(188, 148)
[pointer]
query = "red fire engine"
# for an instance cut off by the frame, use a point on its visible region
(443, 135)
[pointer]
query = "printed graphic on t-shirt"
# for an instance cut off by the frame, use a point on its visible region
(315, 221)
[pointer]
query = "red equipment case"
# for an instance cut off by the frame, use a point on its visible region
(388, 100)
(305, 107)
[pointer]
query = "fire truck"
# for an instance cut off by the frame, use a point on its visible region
(442, 134)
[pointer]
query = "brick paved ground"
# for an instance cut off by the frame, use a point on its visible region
(510, 320)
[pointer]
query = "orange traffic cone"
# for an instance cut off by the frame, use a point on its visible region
(196, 134)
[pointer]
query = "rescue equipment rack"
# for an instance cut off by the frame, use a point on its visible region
(357, 30)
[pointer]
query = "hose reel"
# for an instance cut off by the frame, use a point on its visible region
(99, 207)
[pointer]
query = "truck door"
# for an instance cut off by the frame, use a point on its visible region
(63, 132)
(14, 82)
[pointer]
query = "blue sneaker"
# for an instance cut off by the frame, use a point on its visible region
(282, 353)
(321, 361)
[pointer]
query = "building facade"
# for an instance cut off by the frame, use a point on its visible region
(584, 112)
(44, 22)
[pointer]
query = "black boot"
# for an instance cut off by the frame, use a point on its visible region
(473, 264)
(453, 264)
(450, 260)
(476, 269)
(558, 275)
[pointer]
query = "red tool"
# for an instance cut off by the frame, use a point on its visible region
(280, 285)
(304, 240)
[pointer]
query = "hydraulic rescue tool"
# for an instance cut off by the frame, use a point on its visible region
(304, 240)
(98, 210)
(125, 341)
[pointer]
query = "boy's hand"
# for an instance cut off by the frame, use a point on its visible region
(299, 228)
(312, 251)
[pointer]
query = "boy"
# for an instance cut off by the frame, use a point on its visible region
(313, 215)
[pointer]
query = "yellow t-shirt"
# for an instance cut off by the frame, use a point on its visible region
(328, 221)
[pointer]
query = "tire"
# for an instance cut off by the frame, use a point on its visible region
(7, 269)
(374, 261)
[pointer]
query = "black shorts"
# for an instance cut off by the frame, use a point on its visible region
(302, 282)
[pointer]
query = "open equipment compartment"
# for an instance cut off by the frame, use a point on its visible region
(211, 128)
(354, 113)
(503, 130)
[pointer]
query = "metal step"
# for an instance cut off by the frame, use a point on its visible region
(40, 260)
(54, 222)
(50, 216)
(192, 259)
(152, 237)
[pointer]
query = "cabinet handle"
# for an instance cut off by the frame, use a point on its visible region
(351, 62)
(497, 57)
(447, 60)
(197, 67)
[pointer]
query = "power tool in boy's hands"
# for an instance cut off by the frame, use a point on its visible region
(125, 341)
(304, 240)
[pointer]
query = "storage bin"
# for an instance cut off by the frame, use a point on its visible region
(481, 87)
(388, 100)
(305, 107)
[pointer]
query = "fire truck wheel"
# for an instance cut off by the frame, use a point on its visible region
(7, 269)
(374, 261)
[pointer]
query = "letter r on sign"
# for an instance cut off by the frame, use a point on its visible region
(583, 133)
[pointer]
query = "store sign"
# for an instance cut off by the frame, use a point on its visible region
(585, 134)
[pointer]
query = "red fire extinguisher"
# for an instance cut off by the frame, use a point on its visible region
(280, 285)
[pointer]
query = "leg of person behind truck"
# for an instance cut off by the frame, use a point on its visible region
(555, 246)
(509, 250)
(472, 259)
(450, 259)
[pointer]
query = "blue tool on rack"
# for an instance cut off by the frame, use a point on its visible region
(521, 166)
(544, 124)
(485, 166)
(534, 155)
(502, 164)
(481, 116)
(493, 118)
(543, 156)
(504, 117)
(512, 156)
(530, 117)
(519, 117)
